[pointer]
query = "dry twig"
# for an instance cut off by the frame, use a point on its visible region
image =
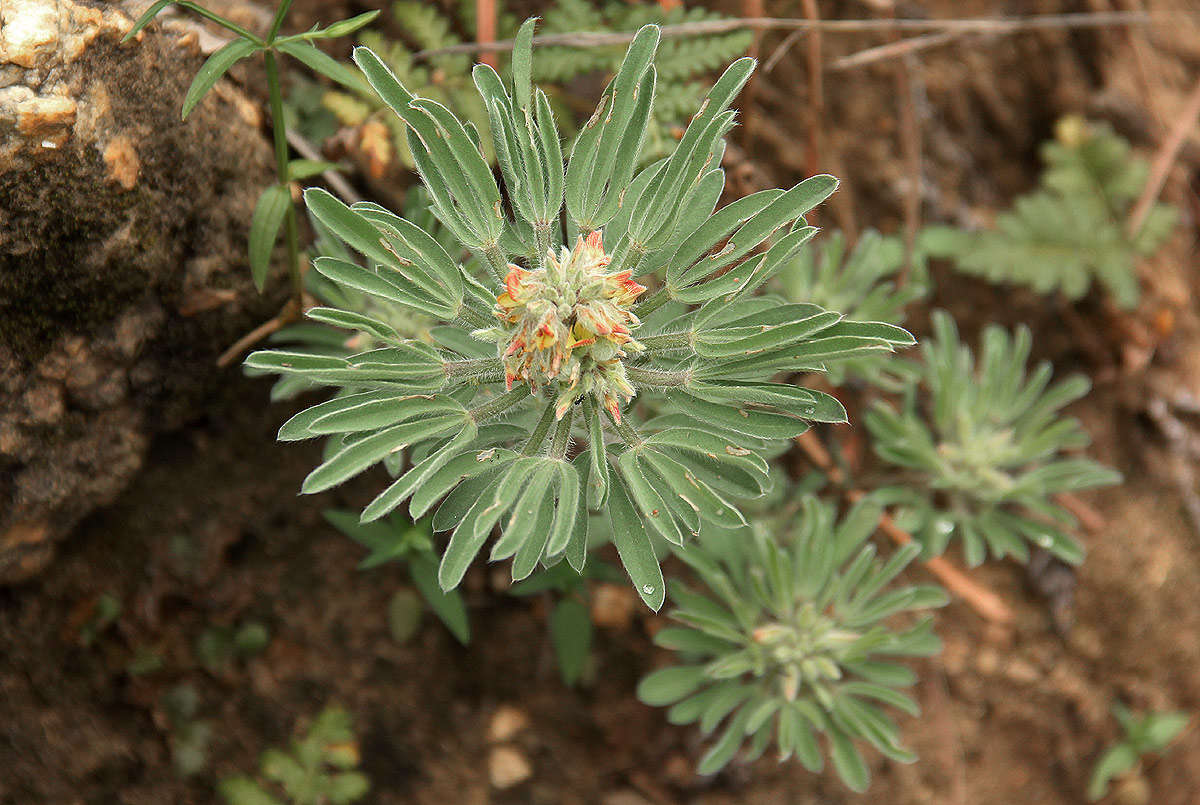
(892, 50)
(1167, 153)
(289, 313)
(332, 178)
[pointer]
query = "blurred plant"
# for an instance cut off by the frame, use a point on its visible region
(1148, 734)
(218, 646)
(792, 639)
(397, 539)
(981, 447)
(554, 323)
(190, 736)
(103, 615)
(570, 619)
(275, 208)
(446, 77)
(318, 769)
(861, 285)
(1072, 229)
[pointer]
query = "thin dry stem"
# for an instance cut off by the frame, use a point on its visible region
(1168, 152)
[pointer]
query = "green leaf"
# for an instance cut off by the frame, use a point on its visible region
(848, 762)
(213, 68)
(522, 58)
(146, 18)
(571, 633)
(297, 427)
(319, 61)
(244, 791)
(669, 685)
(375, 414)
(301, 169)
(349, 26)
(1118, 760)
(350, 320)
(448, 606)
(597, 488)
(730, 741)
(634, 548)
(272, 206)
(360, 455)
(412, 481)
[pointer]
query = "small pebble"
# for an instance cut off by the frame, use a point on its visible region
(506, 722)
(507, 767)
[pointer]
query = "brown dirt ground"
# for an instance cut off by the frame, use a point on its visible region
(212, 534)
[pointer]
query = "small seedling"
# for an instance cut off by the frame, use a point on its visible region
(980, 449)
(794, 638)
(1148, 734)
(190, 737)
(318, 769)
(217, 646)
(570, 619)
(104, 614)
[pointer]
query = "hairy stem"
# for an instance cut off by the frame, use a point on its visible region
(562, 434)
(624, 430)
(653, 302)
(474, 317)
(657, 377)
(666, 341)
(472, 367)
(496, 263)
(279, 133)
(539, 433)
(497, 406)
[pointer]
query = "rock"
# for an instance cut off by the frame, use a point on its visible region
(506, 722)
(115, 218)
(507, 767)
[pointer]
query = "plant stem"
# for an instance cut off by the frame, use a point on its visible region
(653, 302)
(539, 433)
(279, 132)
(277, 22)
(471, 367)
(495, 261)
(656, 377)
(562, 434)
(473, 317)
(666, 341)
(497, 406)
(627, 433)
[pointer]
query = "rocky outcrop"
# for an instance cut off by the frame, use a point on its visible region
(122, 268)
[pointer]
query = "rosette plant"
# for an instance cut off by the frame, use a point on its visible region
(861, 282)
(578, 291)
(980, 451)
(794, 636)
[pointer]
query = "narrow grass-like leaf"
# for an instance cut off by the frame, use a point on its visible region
(213, 68)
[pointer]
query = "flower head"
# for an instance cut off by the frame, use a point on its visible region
(570, 322)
